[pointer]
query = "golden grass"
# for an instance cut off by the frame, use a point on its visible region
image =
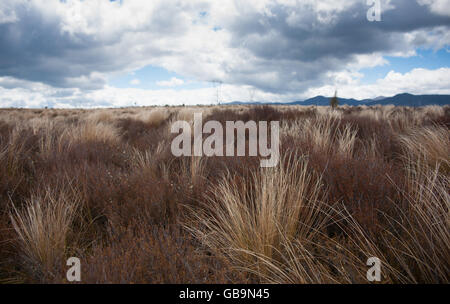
(259, 225)
(428, 144)
(43, 226)
(90, 131)
(154, 117)
(100, 116)
(419, 238)
(322, 133)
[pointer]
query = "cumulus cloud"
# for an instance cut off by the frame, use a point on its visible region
(19, 93)
(7, 14)
(57, 42)
(416, 81)
(280, 48)
(173, 82)
(135, 82)
(441, 7)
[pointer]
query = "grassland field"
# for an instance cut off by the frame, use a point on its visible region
(102, 185)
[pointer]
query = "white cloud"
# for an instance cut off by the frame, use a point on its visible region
(135, 82)
(173, 82)
(7, 14)
(440, 7)
(418, 81)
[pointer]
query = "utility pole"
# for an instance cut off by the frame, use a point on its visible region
(217, 85)
(251, 92)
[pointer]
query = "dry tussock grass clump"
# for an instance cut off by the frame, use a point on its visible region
(100, 116)
(419, 238)
(91, 131)
(154, 117)
(323, 134)
(186, 114)
(428, 144)
(43, 227)
(262, 225)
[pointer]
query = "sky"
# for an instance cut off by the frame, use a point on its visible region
(104, 53)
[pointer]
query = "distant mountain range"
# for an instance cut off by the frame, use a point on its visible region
(398, 100)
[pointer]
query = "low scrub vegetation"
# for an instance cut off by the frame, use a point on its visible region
(102, 185)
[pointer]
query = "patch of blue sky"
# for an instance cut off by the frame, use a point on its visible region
(148, 78)
(424, 58)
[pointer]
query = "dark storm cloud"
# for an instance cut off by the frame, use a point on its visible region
(270, 35)
(35, 49)
(329, 45)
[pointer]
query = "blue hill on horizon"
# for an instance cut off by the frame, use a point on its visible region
(404, 99)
